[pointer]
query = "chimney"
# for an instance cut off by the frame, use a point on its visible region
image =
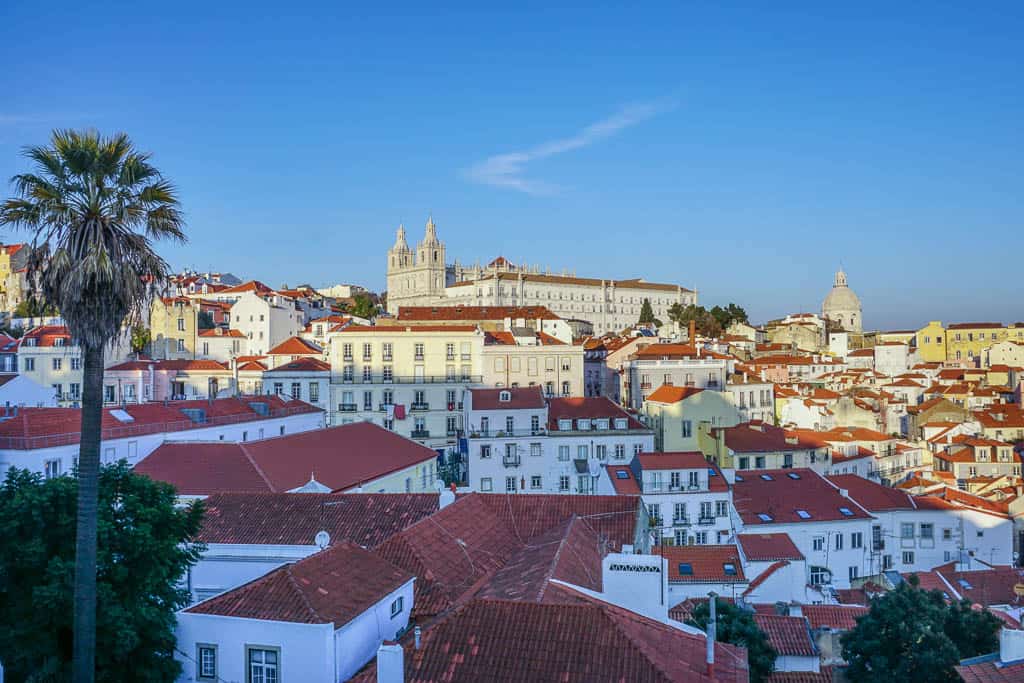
(416, 633)
(390, 663)
(711, 633)
(693, 331)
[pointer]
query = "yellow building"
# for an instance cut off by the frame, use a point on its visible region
(967, 341)
(676, 414)
(13, 285)
(931, 342)
(173, 328)
(899, 336)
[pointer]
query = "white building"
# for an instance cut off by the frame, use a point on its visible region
(424, 278)
(892, 358)
(517, 441)
(266, 319)
(657, 365)
(304, 620)
(831, 530)
(18, 390)
(688, 499)
(221, 345)
(46, 440)
(305, 379)
(523, 358)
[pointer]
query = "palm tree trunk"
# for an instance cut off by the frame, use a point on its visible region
(88, 496)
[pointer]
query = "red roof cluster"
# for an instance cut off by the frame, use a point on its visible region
(594, 407)
(307, 364)
(791, 496)
(668, 393)
(788, 636)
(295, 346)
(519, 398)
(333, 586)
(339, 458)
(768, 547)
(836, 617)
(703, 563)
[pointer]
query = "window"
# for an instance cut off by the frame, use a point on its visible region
(694, 480)
(51, 469)
(263, 667)
(853, 573)
(638, 448)
(908, 557)
(181, 324)
(564, 425)
(857, 539)
(510, 484)
(839, 541)
(56, 363)
(819, 576)
(397, 606)
(729, 569)
(679, 512)
(181, 345)
(907, 530)
(418, 351)
(947, 534)
(510, 424)
(563, 482)
(601, 451)
(367, 373)
(386, 350)
(928, 531)
(30, 364)
(687, 429)
(721, 508)
(582, 451)
(485, 484)
(206, 662)
(818, 543)
(563, 453)
(76, 363)
(535, 482)
(705, 510)
(744, 463)
(701, 538)
(620, 451)
(452, 425)
(296, 390)
(685, 569)
(565, 389)
(680, 537)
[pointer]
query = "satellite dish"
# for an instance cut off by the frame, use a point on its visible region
(322, 539)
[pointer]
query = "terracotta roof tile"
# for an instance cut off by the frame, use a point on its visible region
(838, 617)
(788, 636)
(768, 547)
(668, 393)
(333, 586)
(871, 495)
(703, 563)
(589, 407)
(779, 496)
(520, 398)
(419, 313)
(295, 346)
(622, 479)
(306, 364)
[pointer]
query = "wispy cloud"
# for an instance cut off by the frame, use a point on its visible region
(508, 170)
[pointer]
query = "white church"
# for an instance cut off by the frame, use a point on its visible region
(424, 278)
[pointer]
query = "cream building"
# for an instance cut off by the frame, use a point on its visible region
(524, 358)
(407, 379)
(423, 278)
(680, 416)
(48, 357)
(842, 306)
(173, 328)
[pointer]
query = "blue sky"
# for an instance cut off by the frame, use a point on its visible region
(745, 150)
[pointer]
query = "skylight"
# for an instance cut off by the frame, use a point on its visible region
(767, 477)
(712, 473)
(792, 475)
(739, 477)
(965, 584)
(621, 474)
(803, 514)
(847, 512)
(121, 415)
(729, 568)
(764, 517)
(685, 569)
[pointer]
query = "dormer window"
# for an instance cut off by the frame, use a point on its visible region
(59, 341)
(505, 396)
(685, 569)
(583, 424)
(621, 423)
(565, 425)
(729, 568)
(601, 424)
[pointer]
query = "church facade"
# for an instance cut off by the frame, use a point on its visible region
(422, 277)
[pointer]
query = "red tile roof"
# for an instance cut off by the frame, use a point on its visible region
(768, 547)
(295, 346)
(333, 586)
(656, 350)
(757, 436)
(398, 329)
(668, 393)
(306, 364)
(781, 496)
(221, 332)
(45, 336)
(339, 458)
(589, 407)
(707, 563)
(49, 427)
(991, 671)
(823, 676)
(985, 586)
(418, 313)
(682, 460)
(250, 286)
(588, 641)
(367, 519)
(788, 636)
(570, 552)
(1001, 417)
(873, 496)
(520, 398)
(621, 477)
(837, 617)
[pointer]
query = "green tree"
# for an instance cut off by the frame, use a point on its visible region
(32, 307)
(146, 544)
(205, 320)
(705, 322)
(363, 306)
(94, 204)
(915, 636)
(140, 338)
(647, 314)
(737, 626)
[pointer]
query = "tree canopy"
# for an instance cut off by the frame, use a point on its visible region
(140, 338)
(737, 626)
(145, 547)
(913, 635)
(363, 306)
(647, 314)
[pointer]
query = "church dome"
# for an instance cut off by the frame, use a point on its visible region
(842, 306)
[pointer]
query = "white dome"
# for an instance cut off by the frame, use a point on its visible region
(842, 306)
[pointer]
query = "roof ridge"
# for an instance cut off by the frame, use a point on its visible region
(302, 595)
(554, 560)
(259, 470)
(638, 646)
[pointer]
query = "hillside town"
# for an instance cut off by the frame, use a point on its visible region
(399, 484)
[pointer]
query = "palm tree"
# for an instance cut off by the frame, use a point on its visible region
(93, 204)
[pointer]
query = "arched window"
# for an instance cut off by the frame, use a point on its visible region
(505, 396)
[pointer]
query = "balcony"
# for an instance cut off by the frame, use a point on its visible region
(383, 407)
(466, 356)
(505, 433)
(705, 521)
(347, 407)
(511, 460)
(413, 379)
(420, 434)
(418, 356)
(419, 407)
(681, 521)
